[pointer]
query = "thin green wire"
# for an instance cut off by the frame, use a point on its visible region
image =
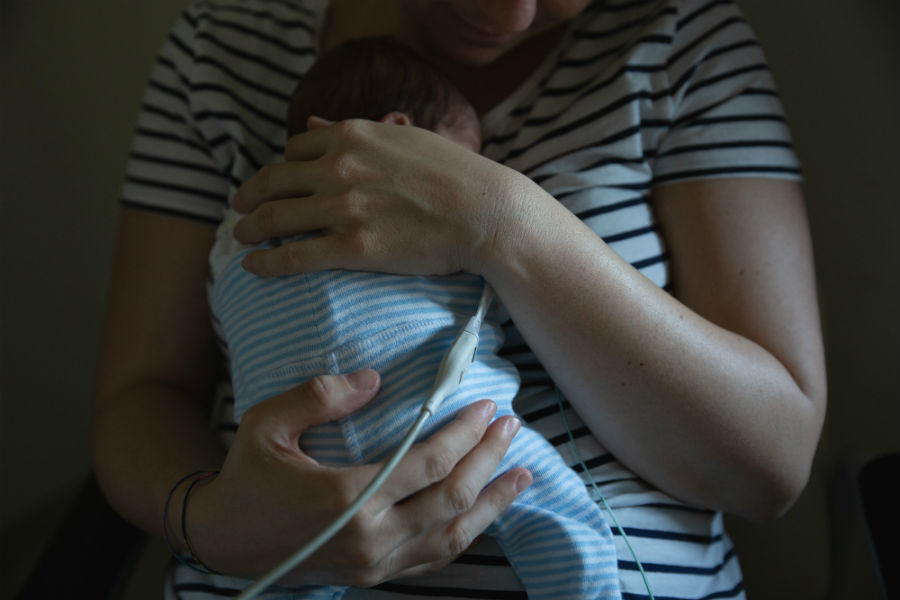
(640, 567)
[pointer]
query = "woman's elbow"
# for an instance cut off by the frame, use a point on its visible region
(780, 480)
(775, 496)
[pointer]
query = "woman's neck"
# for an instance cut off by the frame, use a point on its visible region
(488, 85)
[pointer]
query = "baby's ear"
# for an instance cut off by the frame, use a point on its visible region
(397, 118)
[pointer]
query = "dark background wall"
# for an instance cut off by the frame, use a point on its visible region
(72, 77)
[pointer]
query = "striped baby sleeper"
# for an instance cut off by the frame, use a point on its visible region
(283, 331)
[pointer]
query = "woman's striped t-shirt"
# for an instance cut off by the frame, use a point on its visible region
(639, 93)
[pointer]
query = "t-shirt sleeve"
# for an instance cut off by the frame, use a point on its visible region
(171, 168)
(727, 119)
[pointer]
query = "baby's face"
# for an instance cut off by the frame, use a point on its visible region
(465, 130)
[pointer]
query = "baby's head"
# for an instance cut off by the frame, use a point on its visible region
(382, 80)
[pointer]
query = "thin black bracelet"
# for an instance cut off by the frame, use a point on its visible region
(202, 475)
(196, 559)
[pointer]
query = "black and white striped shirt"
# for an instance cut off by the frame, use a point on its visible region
(638, 93)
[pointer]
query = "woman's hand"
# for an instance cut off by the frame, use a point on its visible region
(270, 498)
(383, 197)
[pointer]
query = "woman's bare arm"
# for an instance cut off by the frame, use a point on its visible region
(706, 395)
(157, 368)
(716, 395)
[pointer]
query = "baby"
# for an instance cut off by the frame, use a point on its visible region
(283, 331)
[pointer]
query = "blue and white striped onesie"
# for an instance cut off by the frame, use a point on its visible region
(283, 331)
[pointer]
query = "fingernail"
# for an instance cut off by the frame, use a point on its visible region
(511, 427)
(363, 381)
(523, 481)
(247, 263)
(488, 409)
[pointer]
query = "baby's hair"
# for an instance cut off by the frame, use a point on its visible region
(369, 78)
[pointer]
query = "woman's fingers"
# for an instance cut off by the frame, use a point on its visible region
(293, 177)
(414, 527)
(306, 256)
(460, 490)
(439, 500)
(435, 458)
(274, 182)
(441, 545)
(382, 198)
(284, 417)
(278, 218)
(319, 137)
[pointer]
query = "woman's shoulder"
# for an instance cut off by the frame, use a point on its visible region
(246, 42)
(614, 17)
(657, 33)
(288, 9)
(296, 20)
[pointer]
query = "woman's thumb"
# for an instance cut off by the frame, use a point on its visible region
(330, 397)
(319, 400)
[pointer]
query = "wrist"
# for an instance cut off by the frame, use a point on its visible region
(524, 226)
(506, 216)
(181, 506)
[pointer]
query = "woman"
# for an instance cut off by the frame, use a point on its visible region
(654, 258)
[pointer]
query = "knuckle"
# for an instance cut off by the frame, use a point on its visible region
(264, 182)
(438, 465)
(352, 130)
(294, 259)
(318, 389)
(361, 526)
(267, 218)
(350, 206)
(460, 497)
(344, 166)
(457, 538)
(357, 245)
(366, 556)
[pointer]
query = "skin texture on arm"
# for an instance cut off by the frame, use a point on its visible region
(157, 366)
(715, 396)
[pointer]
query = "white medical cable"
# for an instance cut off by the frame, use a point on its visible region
(453, 368)
(303, 553)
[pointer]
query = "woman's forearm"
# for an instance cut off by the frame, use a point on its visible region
(144, 440)
(704, 413)
(703, 406)
(157, 368)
